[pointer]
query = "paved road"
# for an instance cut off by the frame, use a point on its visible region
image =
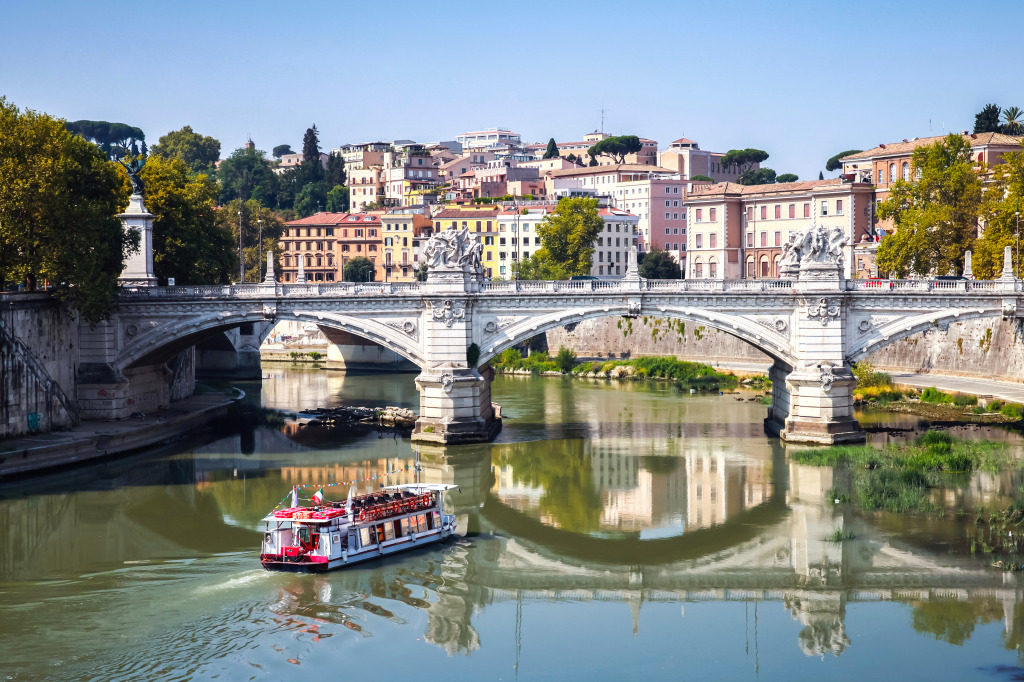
(1004, 390)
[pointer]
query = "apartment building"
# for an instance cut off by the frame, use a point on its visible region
(657, 196)
(739, 231)
(365, 187)
(402, 236)
(491, 139)
(406, 171)
(363, 155)
(685, 157)
(288, 161)
(326, 241)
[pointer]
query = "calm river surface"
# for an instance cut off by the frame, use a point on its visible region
(611, 532)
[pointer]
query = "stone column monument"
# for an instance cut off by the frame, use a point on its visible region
(455, 394)
(138, 271)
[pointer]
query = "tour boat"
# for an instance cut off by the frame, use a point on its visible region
(340, 533)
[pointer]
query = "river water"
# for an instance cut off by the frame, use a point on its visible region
(611, 532)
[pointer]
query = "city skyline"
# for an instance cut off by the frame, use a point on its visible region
(736, 77)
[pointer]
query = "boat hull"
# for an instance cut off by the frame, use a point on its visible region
(307, 564)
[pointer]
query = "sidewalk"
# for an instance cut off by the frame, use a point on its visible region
(97, 439)
(1004, 390)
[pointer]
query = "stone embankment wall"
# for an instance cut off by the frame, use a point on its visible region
(38, 362)
(984, 347)
(618, 337)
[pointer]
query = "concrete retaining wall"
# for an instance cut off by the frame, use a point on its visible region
(46, 329)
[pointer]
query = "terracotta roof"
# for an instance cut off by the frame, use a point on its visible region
(319, 219)
(733, 188)
(615, 167)
(459, 213)
(455, 162)
(683, 140)
(908, 146)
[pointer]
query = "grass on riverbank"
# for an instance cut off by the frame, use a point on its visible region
(693, 374)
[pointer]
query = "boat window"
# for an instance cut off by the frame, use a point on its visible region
(407, 527)
(380, 532)
(430, 521)
(398, 529)
(389, 531)
(437, 519)
(366, 538)
(421, 522)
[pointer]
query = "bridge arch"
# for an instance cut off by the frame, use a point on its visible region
(164, 341)
(772, 342)
(891, 331)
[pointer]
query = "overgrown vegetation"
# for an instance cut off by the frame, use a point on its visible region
(691, 374)
(899, 478)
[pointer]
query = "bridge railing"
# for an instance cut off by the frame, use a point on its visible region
(925, 285)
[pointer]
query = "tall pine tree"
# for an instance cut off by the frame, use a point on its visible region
(312, 170)
(552, 150)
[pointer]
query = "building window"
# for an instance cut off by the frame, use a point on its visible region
(839, 207)
(713, 240)
(879, 176)
(892, 172)
(750, 267)
(807, 210)
(666, 216)
(906, 169)
(712, 268)
(750, 213)
(778, 239)
(713, 213)
(824, 207)
(750, 240)
(764, 239)
(700, 241)
(778, 211)
(700, 214)
(764, 213)
(764, 266)
(792, 210)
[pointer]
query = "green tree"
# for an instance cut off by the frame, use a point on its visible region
(59, 200)
(335, 173)
(1013, 121)
(242, 172)
(787, 177)
(188, 242)
(936, 216)
(359, 269)
(703, 178)
(552, 150)
(199, 152)
(1003, 199)
(834, 162)
(821, 176)
(760, 176)
(281, 149)
(338, 199)
(659, 264)
(312, 169)
(571, 158)
(261, 230)
(744, 160)
(421, 272)
(566, 359)
(311, 199)
(115, 139)
(987, 120)
(568, 235)
(616, 148)
(540, 267)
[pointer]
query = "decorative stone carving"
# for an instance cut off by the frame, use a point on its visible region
(131, 330)
(491, 327)
(827, 377)
(454, 251)
(405, 326)
(824, 311)
(448, 313)
(506, 320)
(633, 307)
(813, 245)
(447, 382)
(777, 324)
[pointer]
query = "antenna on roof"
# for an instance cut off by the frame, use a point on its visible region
(602, 120)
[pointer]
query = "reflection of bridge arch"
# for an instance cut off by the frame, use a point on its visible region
(164, 341)
(770, 342)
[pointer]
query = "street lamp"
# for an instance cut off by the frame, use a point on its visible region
(241, 258)
(259, 221)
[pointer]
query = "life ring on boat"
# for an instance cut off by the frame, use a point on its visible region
(362, 515)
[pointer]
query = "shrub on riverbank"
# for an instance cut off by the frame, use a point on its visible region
(694, 374)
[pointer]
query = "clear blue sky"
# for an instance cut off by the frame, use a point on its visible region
(801, 80)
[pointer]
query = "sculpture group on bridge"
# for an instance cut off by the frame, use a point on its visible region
(814, 244)
(454, 250)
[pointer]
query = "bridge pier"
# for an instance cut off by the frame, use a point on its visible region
(820, 409)
(455, 406)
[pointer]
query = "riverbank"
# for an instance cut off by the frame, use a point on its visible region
(95, 440)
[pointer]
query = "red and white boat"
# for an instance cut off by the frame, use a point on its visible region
(336, 534)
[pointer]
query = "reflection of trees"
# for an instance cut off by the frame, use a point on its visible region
(563, 470)
(953, 621)
(659, 465)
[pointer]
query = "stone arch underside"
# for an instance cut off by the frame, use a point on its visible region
(769, 341)
(895, 330)
(163, 342)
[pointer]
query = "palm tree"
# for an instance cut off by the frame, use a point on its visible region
(1013, 119)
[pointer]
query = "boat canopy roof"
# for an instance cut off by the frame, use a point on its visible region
(434, 487)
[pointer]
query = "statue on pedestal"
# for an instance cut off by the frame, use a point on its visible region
(815, 248)
(454, 251)
(133, 168)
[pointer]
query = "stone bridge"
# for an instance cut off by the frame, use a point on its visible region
(813, 325)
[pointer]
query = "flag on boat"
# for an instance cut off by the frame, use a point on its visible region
(318, 496)
(295, 498)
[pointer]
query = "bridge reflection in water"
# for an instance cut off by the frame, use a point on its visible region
(586, 520)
